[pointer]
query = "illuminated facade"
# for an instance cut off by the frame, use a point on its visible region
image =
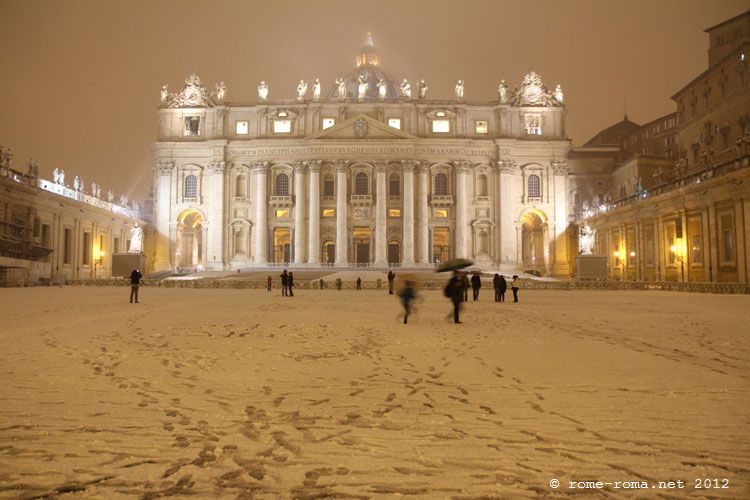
(370, 172)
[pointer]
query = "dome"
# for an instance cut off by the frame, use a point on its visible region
(368, 69)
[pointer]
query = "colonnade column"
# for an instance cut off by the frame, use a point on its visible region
(462, 169)
(261, 211)
(342, 231)
(510, 257)
(163, 218)
(408, 220)
(423, 212)
(313, 236)
(300, 169)
(380, 214)
(561, 266)
(214, 243)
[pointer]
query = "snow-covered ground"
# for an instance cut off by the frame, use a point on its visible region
(225, 393)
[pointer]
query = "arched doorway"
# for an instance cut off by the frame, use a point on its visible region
(282, 245)
(533, 242)
(394, 252)
(189, 247)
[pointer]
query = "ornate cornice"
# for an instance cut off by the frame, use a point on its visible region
(342, 166)
(559, 167)
(507, 166)
(300, 167)
(423, 167)
(380, 166)
(314, 165)
(408, 166)
(259, 167)
(462, 166)
(217, 167)
(164, 167)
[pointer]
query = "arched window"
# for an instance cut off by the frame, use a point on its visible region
(395, 185)
(441, 185)
(282, 185)
(482, 185)
(241, 187)
(535, 187)
(239, 241)
(191, 186)
(328, 185)
(361, 184)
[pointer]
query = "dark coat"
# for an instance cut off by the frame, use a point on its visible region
(135, 277)
(290, 280)
(284, 277)
(455, 289)
(476, 282)
(500, 283)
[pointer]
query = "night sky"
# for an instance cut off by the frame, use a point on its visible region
(80, 80)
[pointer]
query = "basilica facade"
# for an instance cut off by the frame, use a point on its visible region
(370, 173)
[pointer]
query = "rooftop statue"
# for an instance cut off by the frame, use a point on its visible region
(136, 239)
(422, 89)
(301, 90)
(316, 89)
(263, 91)
(56, 176)
(164, 95)
(341, 85)
(460, 90)
(221, 91)
(406, 89)
(362, 87)
(559, 94)
(382, 88)
(502, 92)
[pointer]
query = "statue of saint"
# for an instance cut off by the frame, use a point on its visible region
(422, 89)
(221, 91)
(405, 88)
(460, 90)
(93, 189)
(559, 94)
(75, 183)
(382, 88)
(362, 87)
(301, 90)
(136, 239)
(62, 177)
(341, 85)
(164, 96)
(263, 91)
(98, 191)
(110, 196)
(316, 89)
(502, 92)
(56, 176)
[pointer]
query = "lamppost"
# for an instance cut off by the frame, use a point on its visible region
(678, 257)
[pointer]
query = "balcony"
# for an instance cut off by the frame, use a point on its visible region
(281, 201)
(360, 199)
(444, 200)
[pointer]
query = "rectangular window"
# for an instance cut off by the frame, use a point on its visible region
(328, 187)
(329, 212)
(394, 122)
(192, 125)
(241, 128)
(328, 122)
(727, 239)
(441, 214)
(533, 124)
(86, 249)
(67, 245)
(116, 246)
(394, 212)
(696, 242)
(45, 235)
(281, 214)
(441, 126)
(282, 126)
(481, 127)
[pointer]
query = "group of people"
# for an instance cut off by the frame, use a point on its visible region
(457, 289)
(287, 283)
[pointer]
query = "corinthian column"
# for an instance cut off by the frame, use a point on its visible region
(462, 169)
(380, 215)
(261, 211)
(423, 213)
(313, 225)
(299, 212)
(342, 233)
(509, 255)
(408, 219)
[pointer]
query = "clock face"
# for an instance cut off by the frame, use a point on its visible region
(532, 94)
(193, 97)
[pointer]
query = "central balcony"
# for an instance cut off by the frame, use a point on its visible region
(281, 201)
(360, 200)
(443, 200)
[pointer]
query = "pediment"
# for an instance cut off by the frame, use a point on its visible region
(361, 127)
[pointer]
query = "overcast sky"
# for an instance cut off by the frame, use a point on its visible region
(80, 80)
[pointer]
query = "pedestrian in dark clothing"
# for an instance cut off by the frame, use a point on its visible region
(135, 281)
(515, 285)
(454, 290)
(338, 284)
(284, 277)
(290, 284)
(359, 283)
(499, 284)
(322, 283)
(269, 281)
(476, 284)
(391, 278)
(407, 295)
(465, 284)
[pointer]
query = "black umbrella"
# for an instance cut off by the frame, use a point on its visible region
(454, 265)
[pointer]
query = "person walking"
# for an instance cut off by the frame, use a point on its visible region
(268, 282)
(465, 284)
(359, 283)
(407, 296)
(284, 277)
(499, 284)
(135, 281)
(476, 284)
(338, 284)
(322, 283)
(391, 278)
(515, 285)
(454, 290)
(290, 284)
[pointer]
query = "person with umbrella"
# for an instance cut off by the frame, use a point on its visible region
(454, 289)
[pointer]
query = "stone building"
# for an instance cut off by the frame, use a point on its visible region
(52, 233)
(689, 221)
(371, 172)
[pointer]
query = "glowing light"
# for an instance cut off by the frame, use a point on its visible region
(673, 248)
(632, 254)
